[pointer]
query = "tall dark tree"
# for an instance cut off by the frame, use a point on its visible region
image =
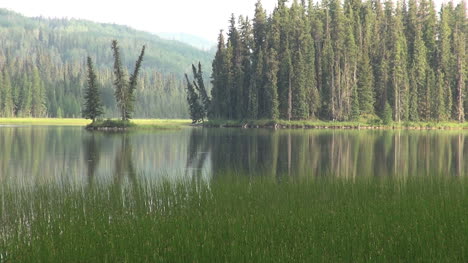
(120, 82)
(195, 106)
(93, 108)
(133, 85)
(201, 89)
(125, 89)
(219, 81)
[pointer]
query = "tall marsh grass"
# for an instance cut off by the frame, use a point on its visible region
(231, 219)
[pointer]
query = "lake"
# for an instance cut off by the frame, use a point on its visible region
(232, 195)
(72, 154)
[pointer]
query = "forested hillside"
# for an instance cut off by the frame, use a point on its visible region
(342, 60)
(43, 65)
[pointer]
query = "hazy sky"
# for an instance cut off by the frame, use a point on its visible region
(198, 17)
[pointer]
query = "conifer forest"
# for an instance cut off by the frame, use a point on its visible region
(43, 65)
(344, 60)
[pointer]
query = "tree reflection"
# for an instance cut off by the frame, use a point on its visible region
(92, 155)
(341, 153)
(124, 165)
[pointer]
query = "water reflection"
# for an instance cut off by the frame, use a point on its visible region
(32, 154)
(333, 152)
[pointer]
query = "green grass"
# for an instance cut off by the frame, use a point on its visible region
(44, 121)
(370, 123)
(257, 219)
(138, 123)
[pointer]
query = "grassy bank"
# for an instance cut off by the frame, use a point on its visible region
(137, 123)
(335, 124)
(419, 219)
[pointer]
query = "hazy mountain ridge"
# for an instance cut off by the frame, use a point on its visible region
(44, 60)
(190, 39)
(168, 56)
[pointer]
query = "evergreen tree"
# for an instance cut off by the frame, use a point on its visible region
(133, 82)
(459, 48)
(120, 82)
(419, 73)
(200, 88)
(246, 46)
(271, 95)
(93, 108)
(399, 80)
(219, 81)
(195, 108)
(125, 89)
(298, 35)
(444, 60)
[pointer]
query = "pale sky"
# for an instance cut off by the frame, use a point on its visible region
(203, 18)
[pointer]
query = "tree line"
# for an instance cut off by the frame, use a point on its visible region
(343, 60)
(43, 68)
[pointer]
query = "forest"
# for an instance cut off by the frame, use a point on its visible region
(344, 60)
(43, 67)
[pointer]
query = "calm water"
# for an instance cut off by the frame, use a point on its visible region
(32, 154)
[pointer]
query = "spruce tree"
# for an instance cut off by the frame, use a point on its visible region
(93, 108)
(133, 82)
(271, 95)
(419, 72)
(444, 61)
(125, 89)
(219, 81)
(195, 107)
(120, 82)
(201, 89)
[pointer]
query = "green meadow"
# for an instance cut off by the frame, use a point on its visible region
(138, 123)
(238, 219)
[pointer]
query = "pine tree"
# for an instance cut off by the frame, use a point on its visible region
(195, 107)
(420, 73)
(328, 80)
(257, 75)
(459, 47)
(120, 82)
(298, 35)
(133, 82)
(201, 89)
(125, 89)
(399, 80)
(246, 46)
(444, 61)
(366, 91)
(271, 95)
(93, 108)
(219, 81)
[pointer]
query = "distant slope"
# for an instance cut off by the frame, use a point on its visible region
(81, 37)
(57, 49)
(192, 40)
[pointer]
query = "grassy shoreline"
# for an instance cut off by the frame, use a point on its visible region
(307, 124)
(411, 219)
(137, 123)
(179, 123)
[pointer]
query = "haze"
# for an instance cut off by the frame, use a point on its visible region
(202, 18)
